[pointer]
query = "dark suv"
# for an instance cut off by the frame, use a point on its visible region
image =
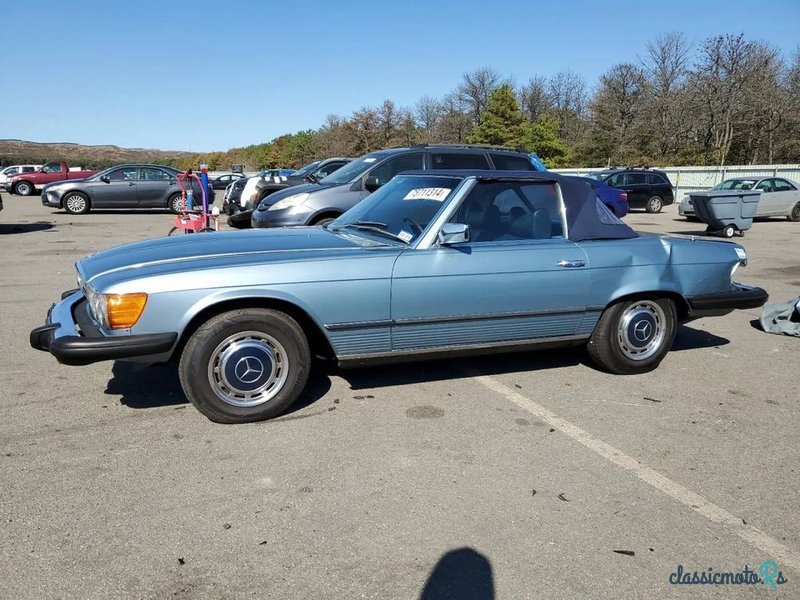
(320, 202)
(646, 188)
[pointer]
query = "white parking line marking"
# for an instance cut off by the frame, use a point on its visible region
(772, 547)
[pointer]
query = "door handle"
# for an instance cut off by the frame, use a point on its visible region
(568, 264)
(131, 183)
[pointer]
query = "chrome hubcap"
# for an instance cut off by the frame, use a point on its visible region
(248, 369)
(655, 204)
(23, 189)
(641, 330)
(76, 203)
(177, 204)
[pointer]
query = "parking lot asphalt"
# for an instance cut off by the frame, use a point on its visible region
(511, 476)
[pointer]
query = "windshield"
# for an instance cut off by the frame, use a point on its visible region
(735, 184)
(353, 170)
(303, 171)
(597, 176)
(401, 209)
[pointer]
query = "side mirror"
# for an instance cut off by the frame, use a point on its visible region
(371, 184)
(105, 179)
(453, 233)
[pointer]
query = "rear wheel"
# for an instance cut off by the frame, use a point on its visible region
(176, 203)
(794, 216)
(245, 365)
(75, 203)
(23, 188)
(633, 336)
(654, 204)
(729, 231)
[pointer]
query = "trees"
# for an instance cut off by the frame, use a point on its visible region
(543, 139)
(502, 121)
(617, 110)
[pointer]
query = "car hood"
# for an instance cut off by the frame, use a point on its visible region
(214, 250)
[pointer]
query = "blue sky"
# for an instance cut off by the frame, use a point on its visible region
(213, 75)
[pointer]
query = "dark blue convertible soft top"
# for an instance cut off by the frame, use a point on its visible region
(587, 217)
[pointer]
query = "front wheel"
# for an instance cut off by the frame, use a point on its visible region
(245, 365)
(23, 188)
(729, 231)
(75, 203)
(794, 216)
(654, 204)
(633, 336)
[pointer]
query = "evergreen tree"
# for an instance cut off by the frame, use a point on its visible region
(501, 122)
(543, 139)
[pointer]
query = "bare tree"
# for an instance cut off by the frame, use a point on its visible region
(726, 66)
(455, 123)
(667, 67)
(534, 99)
(428, 113)
(568, 94)
(476, 87)
(617, 111)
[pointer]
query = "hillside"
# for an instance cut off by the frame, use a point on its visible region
(21, 151)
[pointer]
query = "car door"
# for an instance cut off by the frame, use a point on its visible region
(518, 278)
(155, 186)
(766, 204)
(786, 196)
(117, 189)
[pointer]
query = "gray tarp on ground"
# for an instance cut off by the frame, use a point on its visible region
(782, 318)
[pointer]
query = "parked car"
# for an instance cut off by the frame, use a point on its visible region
(122, 186)
(25, 184)
(262, 188)
(221, 182)
(7, 173)
(779, 197)
(614, 199)
(432, 264)
(321, 202)
(646, 188)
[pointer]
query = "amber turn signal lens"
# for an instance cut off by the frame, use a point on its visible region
(124, 309)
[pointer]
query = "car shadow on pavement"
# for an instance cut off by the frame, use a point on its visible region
(460, 367)
(689, 338)
(464, 574)
(153, 386)
(9, 228)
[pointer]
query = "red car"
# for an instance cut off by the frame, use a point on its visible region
(25, 184)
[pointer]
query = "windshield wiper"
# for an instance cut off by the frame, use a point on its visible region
(376, 227)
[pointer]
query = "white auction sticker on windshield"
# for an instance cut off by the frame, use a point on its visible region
(437, 194)
(370, 160)
(405, 236)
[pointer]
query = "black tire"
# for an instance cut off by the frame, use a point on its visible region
(242, 345)
(23, 188)
(240, 220)
(75, 203)
(615, 345)
(173, 231)
(794, 216)
(324, 221)
(175, 204)
(729, 231)
(207, 230)
(654, 204)
(693, 219)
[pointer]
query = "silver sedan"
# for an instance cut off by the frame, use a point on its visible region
(779, 197)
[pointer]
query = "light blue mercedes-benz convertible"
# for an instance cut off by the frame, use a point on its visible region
(431, 264)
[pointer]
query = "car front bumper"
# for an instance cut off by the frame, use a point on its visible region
(288, 217)
(685, 209)
(71, 337)
(741, 297)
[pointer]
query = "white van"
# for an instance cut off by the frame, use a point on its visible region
(9, 172)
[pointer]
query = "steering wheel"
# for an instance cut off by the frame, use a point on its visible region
(414, 225)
